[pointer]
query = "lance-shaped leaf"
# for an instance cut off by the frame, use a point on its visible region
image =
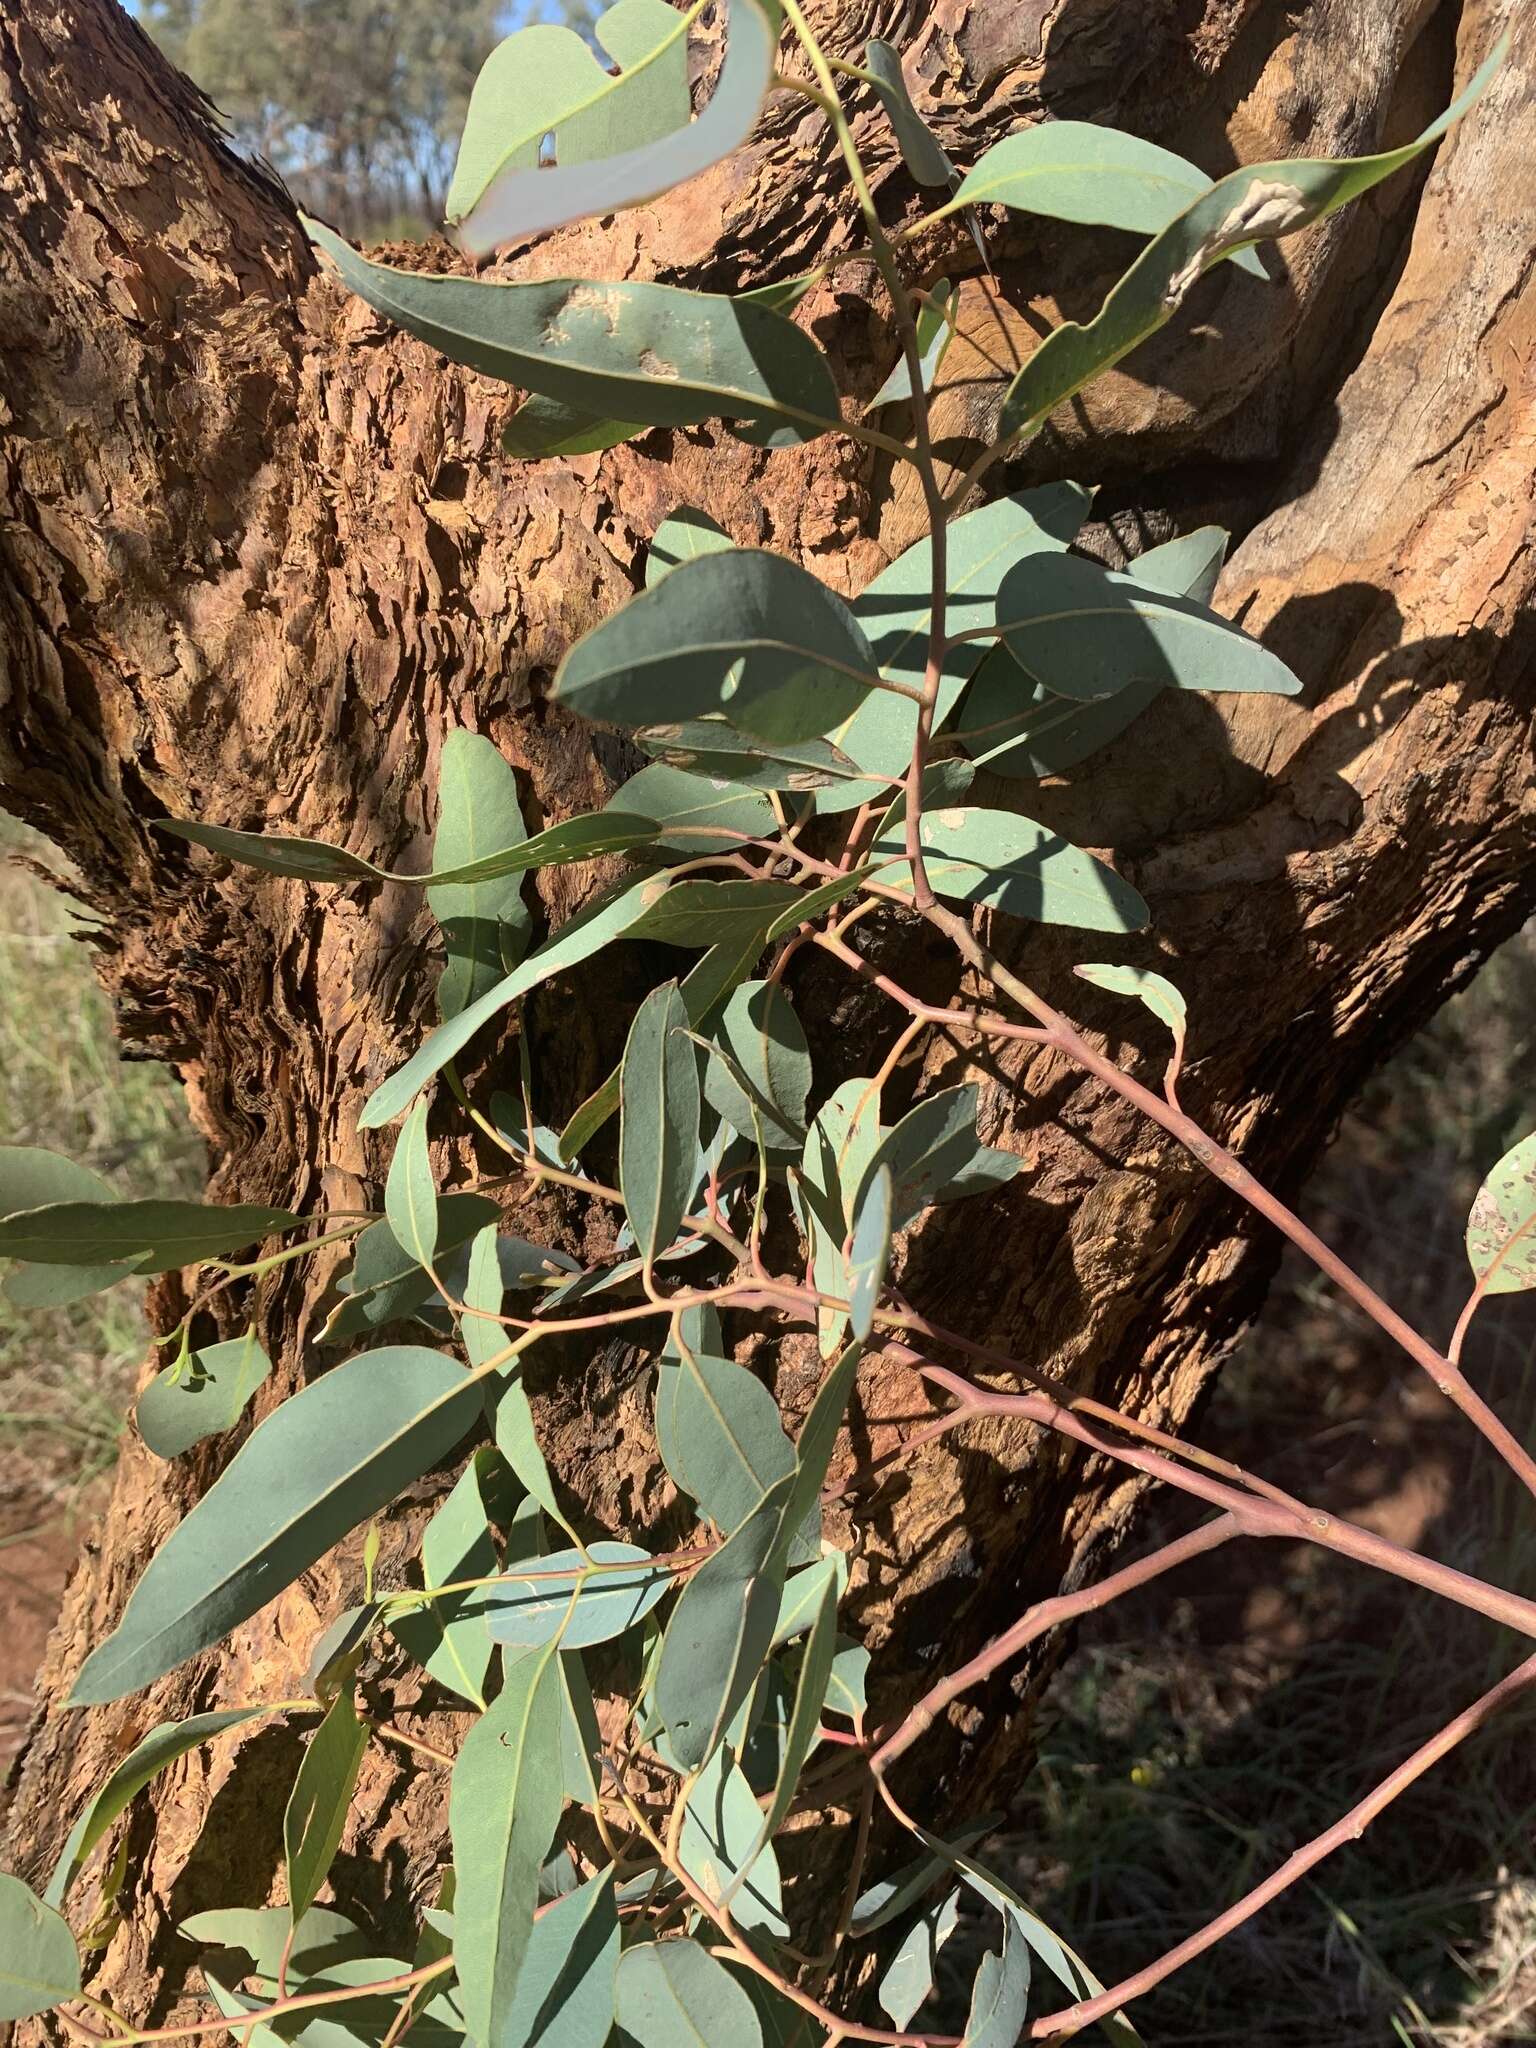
(581, 838)
(741, 632)
(720, 1630)
(565, 1988)
(205, 1394)
(671, 1992)
(909, 1978)
(720, 1437)
(683, 537)
(543, 427)
(896, 611)
(524, 199)
(708, 746)
(838, 1149)
(562, 1600)
(156, 1236)
(699, 913)
(658, 1120)
(651, 353)
(448, 1636)
(1501, 1230)
(503, 1807)
(545, 80)
(1099, 177)
(936, 329)
(1010, 863)
(1250, 205)
(718, 1838)
(317, 1806)
(801, 1734)
(410, 1193)
(39, 1963)
(329, 1457)
(161, 1746)
(920, 149)
(767, 1044)
(870, 1251)
(1155, 991)
(1014, 726)
(485, 925)
(585, 934)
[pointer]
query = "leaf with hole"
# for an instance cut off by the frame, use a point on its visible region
(203, 1396)
(658, 1120)
(485, 925)
(317, 1807)
(670, 1992)
(330, 1456)
(742, 632)
(1501, 1230)
(1006, 862)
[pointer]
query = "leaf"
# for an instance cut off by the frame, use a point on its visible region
(322, 1792)
(1098, 177)
(673, 1994)
(720, 1437)
(818, 1438)
(565, 1989)
(919, 146)
(518, 1443)
(161, 1746)
(784, 2024)
(891, 1897)
(543, 427)
(525, 200)
(742, 632)
(577, 940)
(933, 1142)
(658, 1120)
(698, 913)
(804, 1725)
(486, 925)
(1154, 991)
(525, 1613)
(546, 79)
(847, 1687)
(838, 1148)
(57, 1286)
(322, 1939)
(410, 1194)
(1501, 1230)
(695, 814)
(329, 1457)
(1189, 566)
(766, 1041)
(810, 903)
(936, 329)
(1010, 863)
(708, 746)
(385, 1282)
(682, 537)
(338, 1651)
(159, 1237)
(896, 610)
(718, 1636)
(717, 1838)
(206, 1396)
(504, 1805)
(448, 1636)
(32, 1178)
(870, 1252)
(1249, 205)
(909, 1979)
(1081, 631)
(651, 353)
(39, 1964)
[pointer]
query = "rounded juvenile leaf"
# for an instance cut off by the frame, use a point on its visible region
(670, 1992)
(526, 1612)
(39, 1964)
(205, 1395)
(1501, 1230)
(741, 632)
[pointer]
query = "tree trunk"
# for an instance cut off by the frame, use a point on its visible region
(259, 553)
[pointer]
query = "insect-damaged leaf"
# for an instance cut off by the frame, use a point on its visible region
(1501, 1230)
(39, 1964)
(206, 1393)
(332, 1455)
(1010, 863)
(651, 353)
(317, 1807)
(671, 1992)
(739, 631)
(658, 1120)
(485, 925)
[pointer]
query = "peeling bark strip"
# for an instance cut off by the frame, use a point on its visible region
(258, 554)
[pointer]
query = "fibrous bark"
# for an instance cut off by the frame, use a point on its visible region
(259, 553)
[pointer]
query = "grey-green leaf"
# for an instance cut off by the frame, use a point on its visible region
(683, 537)
(708, 746)
(206, 1395)
(651, 353)
(385, 1283)
(317, 1807)
(504, 1805)
(1155, 991)
(658, 1120)
(935, 326)
(157, 1236)
(448, 1636)
(1501, 1230)
(766, 1041)
(696, 813)
(410, 1194)
(1010, 863)
(920, 148)
(485, 925)
(39, 1964)
(804, 1722)
(741, 632)
(324, 1461)
(672, 1993)
(700, 913)
(720, 1436)
(909, 1978)
(719, 1848)
(32, 1178)
(869, 1253)
(526, 1612)
(1249, 205)
(565, 1988)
